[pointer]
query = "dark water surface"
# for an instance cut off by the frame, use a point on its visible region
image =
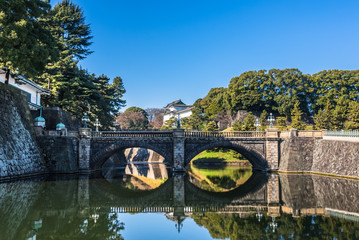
(149, 202)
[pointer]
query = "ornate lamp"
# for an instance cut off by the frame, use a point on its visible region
(178, 121)
(85, 119)
(97, 124)
(116, 124)
(271, 120)
(257, 124)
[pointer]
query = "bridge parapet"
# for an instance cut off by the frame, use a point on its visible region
(132, 134)
(248, 134)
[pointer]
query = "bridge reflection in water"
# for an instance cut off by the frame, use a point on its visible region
(265, 205)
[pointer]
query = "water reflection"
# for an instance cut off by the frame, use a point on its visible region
(219, 179)
(264, 207)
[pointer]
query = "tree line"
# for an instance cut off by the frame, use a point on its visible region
(46, 44)
(325, 100)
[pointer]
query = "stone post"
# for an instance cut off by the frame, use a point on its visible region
(178, 149)
(273, 196)
(293, 133)
(272, 148)
(84, 150)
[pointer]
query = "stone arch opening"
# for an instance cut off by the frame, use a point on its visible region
(256, 159)
(104, 153)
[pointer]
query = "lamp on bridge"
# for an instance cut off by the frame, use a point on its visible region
(257, 124)
(97, 124)
(85, 119)
(116, 124)
(271, 120)
(178, 121)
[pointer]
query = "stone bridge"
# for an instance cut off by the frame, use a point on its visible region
(179, 147)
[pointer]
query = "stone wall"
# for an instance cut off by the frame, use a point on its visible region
(320, 156)
(19, 153)
(60, 153)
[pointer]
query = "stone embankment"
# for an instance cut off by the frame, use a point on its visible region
(316, 155)
(19, 152)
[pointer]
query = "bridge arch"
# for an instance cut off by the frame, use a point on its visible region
(101, 152)
(255, 157)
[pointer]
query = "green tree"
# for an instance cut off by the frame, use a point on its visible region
(26, 46)
(169, 124)
(281, 123)
(249, 123)
(323, 119)
(198, 118)
(211, 127)
(297, 122)
(213, 103)
(340, 112)
(334, 86)
(263, 120)
(353, 116)
(237, 126)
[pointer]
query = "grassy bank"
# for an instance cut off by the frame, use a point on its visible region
(220, 156)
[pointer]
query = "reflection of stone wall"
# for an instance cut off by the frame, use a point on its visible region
(320, 156)
(16, 200)
(300, 192)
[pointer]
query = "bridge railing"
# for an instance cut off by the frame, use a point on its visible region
(200, 134)
(348, 133)
(132, 134)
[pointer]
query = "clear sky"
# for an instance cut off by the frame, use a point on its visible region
(166, 50)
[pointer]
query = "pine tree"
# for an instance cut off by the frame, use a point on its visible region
(296, 116)
(25, 44)
(249, 123)
(323, 119)
(281, 123)
(237, 126)
(211, 126)
(353, 116)
(263, 120)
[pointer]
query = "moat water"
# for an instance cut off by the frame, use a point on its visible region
(150, 202)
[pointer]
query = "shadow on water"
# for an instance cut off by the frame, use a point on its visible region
(261, 207)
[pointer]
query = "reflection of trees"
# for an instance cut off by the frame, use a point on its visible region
(306, 227)
(219, 179)
(96, 226)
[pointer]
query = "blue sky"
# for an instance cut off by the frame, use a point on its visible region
(180, 49)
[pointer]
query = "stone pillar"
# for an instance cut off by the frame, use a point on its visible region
(293, 133)
(272, 148)
(273, 198)
(84, 150)
(178, 149)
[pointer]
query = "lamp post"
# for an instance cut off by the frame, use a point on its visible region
(116, 125)
(178, 121)
(257, 124)
(97, 124)
(271, 120)
(85, 119)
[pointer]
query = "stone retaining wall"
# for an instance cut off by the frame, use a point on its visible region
(19, 153)
(320, 156)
